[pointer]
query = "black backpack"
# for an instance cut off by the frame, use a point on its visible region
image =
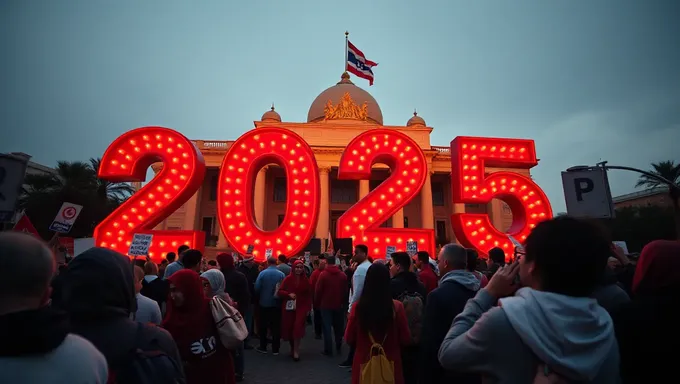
(145, 363)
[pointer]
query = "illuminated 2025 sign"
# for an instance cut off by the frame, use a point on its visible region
(183, 171)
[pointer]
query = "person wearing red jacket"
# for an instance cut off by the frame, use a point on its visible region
(426, 274)
(330, 295)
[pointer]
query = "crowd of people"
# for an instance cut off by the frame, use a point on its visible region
(568, 306)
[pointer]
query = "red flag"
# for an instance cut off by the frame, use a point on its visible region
(24, 225)
(329, 248)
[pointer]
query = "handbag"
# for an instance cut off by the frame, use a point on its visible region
(231, 327)
(291, 305)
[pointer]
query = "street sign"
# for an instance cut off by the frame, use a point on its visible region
(12, 171)
(67, 215)
(587, 193)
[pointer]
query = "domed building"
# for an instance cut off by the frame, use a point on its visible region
(335, 117)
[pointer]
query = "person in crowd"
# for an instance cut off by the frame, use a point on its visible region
(266, 287)
(408, 290)
(216, 285)
(377, 318)
(319, 266)
(550, 329)
(250, 269)
(426, 273)
(329, 296)
(193, 259)
(296, 294)
(190, 322)
(212, 264)
(472, 257)
(648, 322)
(456, 287)
(608, 293)
(169, 258)
(98, 292)
(36, 346)
(496, 260)
(178, 264)
(358, 276)
(154, 288)
(236, 283)
(283, 265)
(148, 310)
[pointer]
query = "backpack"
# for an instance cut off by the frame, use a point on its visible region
(378, 369)
(414, 308)
(145, 365)
(229, 323)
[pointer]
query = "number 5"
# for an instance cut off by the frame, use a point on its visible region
(469, 158)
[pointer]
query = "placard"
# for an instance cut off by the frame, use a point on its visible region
(412, 248)
(140, 244)
(268, 253)
(307, 257)
(250, 249)
(389, 251)
(67, 215)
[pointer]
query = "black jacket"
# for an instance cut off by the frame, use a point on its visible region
(250, 270)
(157, 290)
(407, 282)
(32, 332)
(236, 285)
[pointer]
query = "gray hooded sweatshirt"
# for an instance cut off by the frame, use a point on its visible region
(573, 337)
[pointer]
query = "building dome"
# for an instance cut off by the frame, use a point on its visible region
(337, 94)
(271, 115)
(415, 120)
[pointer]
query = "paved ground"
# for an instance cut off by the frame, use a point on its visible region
(313, 368)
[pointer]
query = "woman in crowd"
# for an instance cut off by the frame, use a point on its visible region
(190, 322)
(214, 285)
(296, 294)
(377, 318)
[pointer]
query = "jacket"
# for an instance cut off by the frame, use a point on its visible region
(428, 278)
(250, 270)
(407, 282)
(331, 288)
(267, 284)
(236, 285)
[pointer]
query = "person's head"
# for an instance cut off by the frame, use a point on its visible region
(375, 307)
(299, 268)
(401, 262)
(182, 248)
(212, 263)
(331, 260)
(360, 253)
(192, 259)
(186, 291)
(451, 257)
(315, 264)
(472, 257)
(658, 268)
(26, 270)
(564, 255)
(496, 257)
(271, 262)
(171, 256)
(225, 261)
(164, 262)
(282, 259)
(217, 283)
(150, 268)
(139, 276)
(422, 259)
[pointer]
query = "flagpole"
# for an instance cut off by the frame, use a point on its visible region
(346, 50)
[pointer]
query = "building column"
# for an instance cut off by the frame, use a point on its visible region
(364, 186)
(398, 219)
(322, 228)
(426, 208)
(191, 211)
(259, 198)
(221, 239)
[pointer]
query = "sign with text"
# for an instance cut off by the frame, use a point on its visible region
(140, 244)
(412, 248)
(587, 194)
(67, 215)
(250, 249)
(268, 253)
(389, 251)
(12, 170)
(308, 255)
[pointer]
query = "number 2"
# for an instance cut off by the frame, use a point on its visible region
(128, 159)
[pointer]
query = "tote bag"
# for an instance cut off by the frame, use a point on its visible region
(230, 325)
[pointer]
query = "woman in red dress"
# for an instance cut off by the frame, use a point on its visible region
(383, 318)
(296, 294)
(190, 322)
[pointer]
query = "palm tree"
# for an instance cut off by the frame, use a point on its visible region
(671, 172)
(117, 192)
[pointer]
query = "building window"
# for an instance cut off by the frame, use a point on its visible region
(343, 191)
(373, 184)
(280, 190)
(213, 188)
(438, 194)
(441, 232)
(280, 220)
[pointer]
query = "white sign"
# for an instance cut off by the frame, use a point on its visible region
(308, 255)
(140, 244)
(622, 245)
(268, 252)
(67, 215)
(82, 245)
(234, 256)
(587, 194)
(412, 248)
(12, 170)
(389, 251)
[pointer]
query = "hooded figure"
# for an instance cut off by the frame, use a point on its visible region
(190, 322)
(293, 322)
(235, 282)
(97, 290)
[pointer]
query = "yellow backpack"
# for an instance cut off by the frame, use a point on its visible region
(378, 369)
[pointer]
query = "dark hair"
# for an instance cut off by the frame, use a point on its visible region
(331, 260)
(424, 257)
(402, 259)
(182, 248)
(212, 263)
(362, 248)
(282, 258)
(322, 256)
(569, 255)
(316, 262)
(497, 255)
(270, 261)
(191, 258)
(375, 309)
(472, 257)
(170, 257)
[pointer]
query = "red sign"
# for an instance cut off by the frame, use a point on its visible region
(24, 225)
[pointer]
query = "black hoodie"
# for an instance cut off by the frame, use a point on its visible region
(97, 290)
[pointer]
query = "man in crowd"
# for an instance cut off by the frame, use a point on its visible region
(319, 266)
(36, 345)
(552, 320)
(178, 264)
(358, 277)
(283, 265)
(329, 298)
(496, 260)
(457, 285)
(251, 270)
(267, 286)
(425, 272)
(153, 287)
(148, 311)
(192, 259)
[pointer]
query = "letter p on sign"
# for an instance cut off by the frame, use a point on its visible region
(587, 194)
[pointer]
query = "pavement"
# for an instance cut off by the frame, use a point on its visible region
(313, 367)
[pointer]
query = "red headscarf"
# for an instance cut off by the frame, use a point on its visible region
(225, 261)
(191, 315)
(296, 283)
(658, 267)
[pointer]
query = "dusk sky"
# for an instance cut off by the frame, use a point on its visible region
(588, 80)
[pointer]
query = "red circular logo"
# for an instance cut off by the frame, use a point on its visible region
(69, 213)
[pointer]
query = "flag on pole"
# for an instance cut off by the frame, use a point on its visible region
(24, 225)
(329, 248)
(358, 65)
